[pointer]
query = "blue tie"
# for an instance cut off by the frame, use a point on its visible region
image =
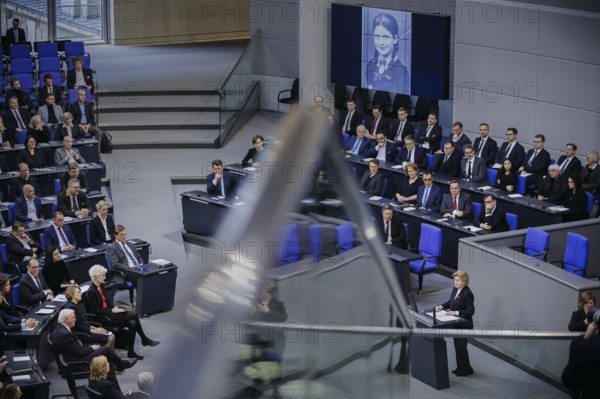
(129, 254)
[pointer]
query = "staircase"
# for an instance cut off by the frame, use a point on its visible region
(160, 118)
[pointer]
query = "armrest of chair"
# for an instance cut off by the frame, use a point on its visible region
(83, 336)
(519, 248)
(100, 319)
(282, 92)
(560, 263)
(12, 268)
(425, 259)
(22, 309)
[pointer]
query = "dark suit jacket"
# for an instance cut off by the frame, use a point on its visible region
(364, 145)
(407, 130)
(9, 323)
(434, 138)
(577, 322)
(81, 324)
(230, 182)
(107, 389)
(12, 39)
(16, 188)
(539, 165)
(64, 180)
(50, 234)
(374, 186)
(489, 150)
(355, 120)
(76, 112)
(464, 139)
(497, 219)
(64, 203)
(450, 167)
(15, 250)
(118, 257)
(56, 90)
(464, 304)
(555, 190)
(390, 151)
(97, 232)
(76, 132)
(434, 200)
(573, 168)
(69, 346)
(464, 205)
(22, 96)
(516, 156)
(72, 78)
(94, 301)
(591, 179)
(9, 135)
(420, 157)
(37, 160)
(139, 395)
(382, 126)
(29, 294)
(478, 169)
(398, 233)
(21, 208)
(11, 122)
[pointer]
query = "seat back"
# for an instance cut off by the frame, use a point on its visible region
(21, 65)
(3, 252)
(16, 295)
(289, 244)
(385, 184)
(48, 64)
(20, 51)
(590, 203)
(430, 243)
(339, 96)
(44, 241)
(429, 161)
(11, 213)
(577, 254)
(88, 235)
(295, 92)
(536, 241)
(92, 394)
(521, 185)
(476, 208)
(400, 100)
(442, 141)
(346, 137)
(47, 50)
(57, 188)
(344, 235)
(512, 221)
(74, 49)
(492, 173)
(381, 98)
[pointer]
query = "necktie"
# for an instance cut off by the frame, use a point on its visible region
(222, 186)
(446, 159)
(409, 156)
(347, 122)
(49, 89)
(399, 134)
(356, 146)
(74, 206)
(455, 205)
(425, 197)
(508, 148)
(129, 254)
(564, 166)
(63, 236)
(532, 158)
(480, 147)
(469, 170)
(37, 283)
(387, 231)
(19, 120)
(428, 131)
(373, 127)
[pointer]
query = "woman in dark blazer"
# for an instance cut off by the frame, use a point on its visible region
(102, 226)
(67, 128)
(100, 302)
(31, 155)
(579, 321)
(461, 304)
(99, 368)
(7, 304)
(38, 130)
(507, 178)
(576, 200)
(55, 271)
(409, 185)
(98, 335)
(253, 154)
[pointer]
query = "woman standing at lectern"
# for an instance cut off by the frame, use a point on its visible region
(461, 304)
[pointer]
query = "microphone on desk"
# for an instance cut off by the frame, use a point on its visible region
(542, 255)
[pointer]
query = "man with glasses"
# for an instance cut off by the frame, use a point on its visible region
(32, 287)
(472, 168)
(412, 154)
(456, 204)
(491, 218)
(382, 149)
(449, 163)
(358, 144)
(511, 149)
(429, 197)
(536, 164)
(72, 202)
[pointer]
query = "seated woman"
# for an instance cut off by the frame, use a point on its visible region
(507, 178)
(253, 155)
(8, 135)
(99, 369)
(55, 271)
(100, 302)
(553, 188)
(38, 130)
(67, 128)
(409, 185)
(31, 155)
(579, 320)
(102, 226)
(7, 304)
(97, 334)
(576, 200)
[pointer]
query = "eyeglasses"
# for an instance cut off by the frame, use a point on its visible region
(488, 202)
(427, 179)
(537, 141)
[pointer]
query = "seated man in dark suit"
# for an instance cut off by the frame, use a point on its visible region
(20, 246)
(391, 228)
(83, 116)
(21, 95)
(72, 202)
(430, 137)
(511, 150)
(458, 137)
(68, 345)
(49, 88)
(32, 287)
(372, 181)
(472, 168)
(122, 255)
(80, 76)
(429, 197)
(73, 172)
(537, 161)
(60, 235)
(485, 146)
(16, 188)
(16, 118)
(569, 163)
(352, 119)
(402, 128)
(383, 149)
(449, 164)
(28, 208)
(378, 123)
(16, 34)
(412, 154)
(455, 204)
(491, 218)
(220, 182)
(358, 144)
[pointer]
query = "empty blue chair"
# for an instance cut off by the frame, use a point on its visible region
(289, 244)
(346, 136)
(21, 65)
(492, 173)
(576, 254)
(429, 161)
(47, 50)
(476, 208)
(57, 188)
(521, 185)
(385, 184)
(19, 51)
(21, 137)
(88, 235)
(74, 49)
(430, 248)
(11, 213)
(512, 221)
(3, 252)
(590, 205)
(537, 243)
(48, 64)
(344, 235)
(43, 241)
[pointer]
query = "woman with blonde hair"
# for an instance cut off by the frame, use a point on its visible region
(99, 369)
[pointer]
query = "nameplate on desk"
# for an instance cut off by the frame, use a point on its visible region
(91, 250)
(60, 298)
(558, 208)
(485, 188)
(161, 262)
(398, 167)
(239, 203)
(441, 316)
(308, 201)
(42, 169)
(12, 173)
(324, 202)
(68, 218)
(348, 156)
(218, 198)
(45, 311)
(250, 169)
(514, 195)
(25, 377)
(409, 208)
(6, 229)
(474, 229)
(21, 359)
(374, 198)
(367, 159)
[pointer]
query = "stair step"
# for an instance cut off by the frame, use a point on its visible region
(164, 139)
(167, 102)
(140, 93)
(144, 118)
